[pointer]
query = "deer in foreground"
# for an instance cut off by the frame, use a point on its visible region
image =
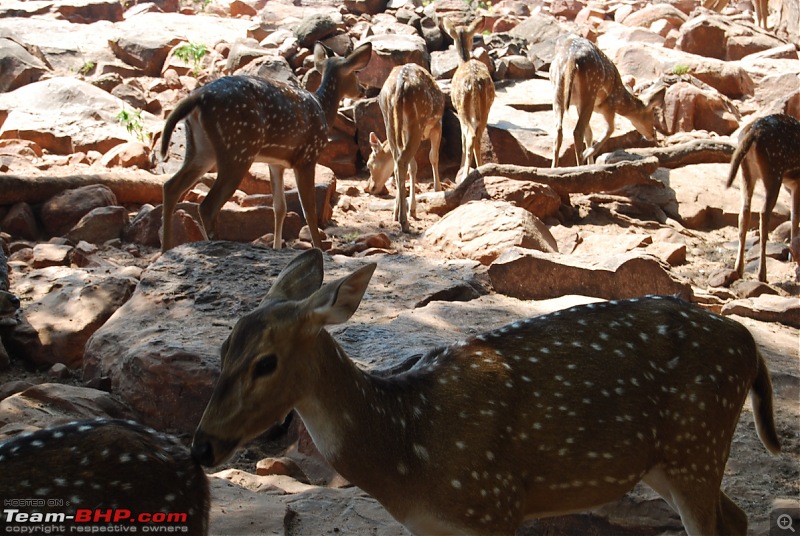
(105, 471)
(412, 106)
(472, 93)
(236, 120)
(553, 414)
(769, 149)
(583, 75)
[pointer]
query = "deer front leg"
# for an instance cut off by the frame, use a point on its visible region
(412, 187)
(308, 200)
(278, 203)
(559, 114)
(746, 192)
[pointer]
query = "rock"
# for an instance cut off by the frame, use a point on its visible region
(716, 36)
(689, 107)
(314, 28)
(66, 115)
(389, 51)
(20, 67)
(20, 222)
(532, 275)
(100, 225)
(43, 405)
(63, 211)
(370, 7)
(46, 255)
(482, 230)
(130, 154)
(145, 51)
(538, 199)
(65, 306)
(767, 308)
(281, 466)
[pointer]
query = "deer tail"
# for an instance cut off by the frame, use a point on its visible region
(750, 137)
(184, 108)
(761, 398)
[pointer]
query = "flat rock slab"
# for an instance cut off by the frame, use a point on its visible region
(532, 275)
(767, 308)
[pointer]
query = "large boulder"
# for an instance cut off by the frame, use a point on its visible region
(390, 50)
(18, 66)
(717, 36)
(482, 230)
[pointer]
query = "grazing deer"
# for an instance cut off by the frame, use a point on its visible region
(472, 93)
(553, 414)
(412, 106)
(104, 471)
(769, 149)
(584, 76)
(236, 120)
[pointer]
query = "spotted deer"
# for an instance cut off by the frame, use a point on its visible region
(583, 75)
(236, 120)
(553, 414)
(769, 150)
(412, 106)
(472, 93)
(104, 471)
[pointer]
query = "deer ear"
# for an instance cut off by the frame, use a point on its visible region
(321, 53)
(336, 302)
(374, 141)
(476, 24)
(448, 27)
(359, 58)
(299, 279)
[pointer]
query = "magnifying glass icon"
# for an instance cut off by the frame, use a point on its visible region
(785, 522)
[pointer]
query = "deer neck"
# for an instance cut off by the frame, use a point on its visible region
(361, 424)
(328, 95)
(627, 103)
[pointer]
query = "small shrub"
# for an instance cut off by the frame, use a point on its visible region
(192, 53)
(680, 70)
(132, 121)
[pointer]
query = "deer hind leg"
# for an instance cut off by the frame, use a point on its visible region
(558, 110)
(772, 185)
(308, 200)
(748, 185)
(794, 187)
(435, 138)
(593, 150)
(230, 173)
(465, 148)
(278, 203)
(582, 132)
(195, 164)
(703, 508)
(412, 187)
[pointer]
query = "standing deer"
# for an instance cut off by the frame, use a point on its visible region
(553, 414)
(472, 93)
(412, 106)
(105, 471)
(769, 149)
(236, 120)
(583, 75)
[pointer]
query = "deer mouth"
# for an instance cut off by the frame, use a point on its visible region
(211, 451)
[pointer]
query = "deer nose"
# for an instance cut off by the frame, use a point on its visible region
(14, 301)
(202, 451)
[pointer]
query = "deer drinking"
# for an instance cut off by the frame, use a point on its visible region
(236, 120)
(548, 415)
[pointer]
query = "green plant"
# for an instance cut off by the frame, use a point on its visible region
(474, 5)
(192, 53)
(87, 68)
(680, 70)
(132, 121)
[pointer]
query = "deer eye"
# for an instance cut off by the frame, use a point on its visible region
(265, 366)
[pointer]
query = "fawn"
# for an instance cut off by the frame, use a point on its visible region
(769, 149)
(548, 415)
(412, 106)
(236, 120)
(583, 75)
(472, 93)
(104, 471)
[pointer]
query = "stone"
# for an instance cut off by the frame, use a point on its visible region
(40, 406)
(65, 306)
(533, 275)
(538, 199)
(63, 211)
(482, 230)
(20, 67)
(20, 222)
(389, 51)
(129, 154)
(688, 107)
(45, 255)
(767, 308)
(100, 225)
(314, 28)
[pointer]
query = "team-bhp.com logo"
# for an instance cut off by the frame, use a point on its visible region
(95, 521)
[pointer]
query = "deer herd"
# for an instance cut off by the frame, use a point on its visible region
(544, 416)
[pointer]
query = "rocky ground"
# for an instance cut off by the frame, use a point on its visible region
(110, 327)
